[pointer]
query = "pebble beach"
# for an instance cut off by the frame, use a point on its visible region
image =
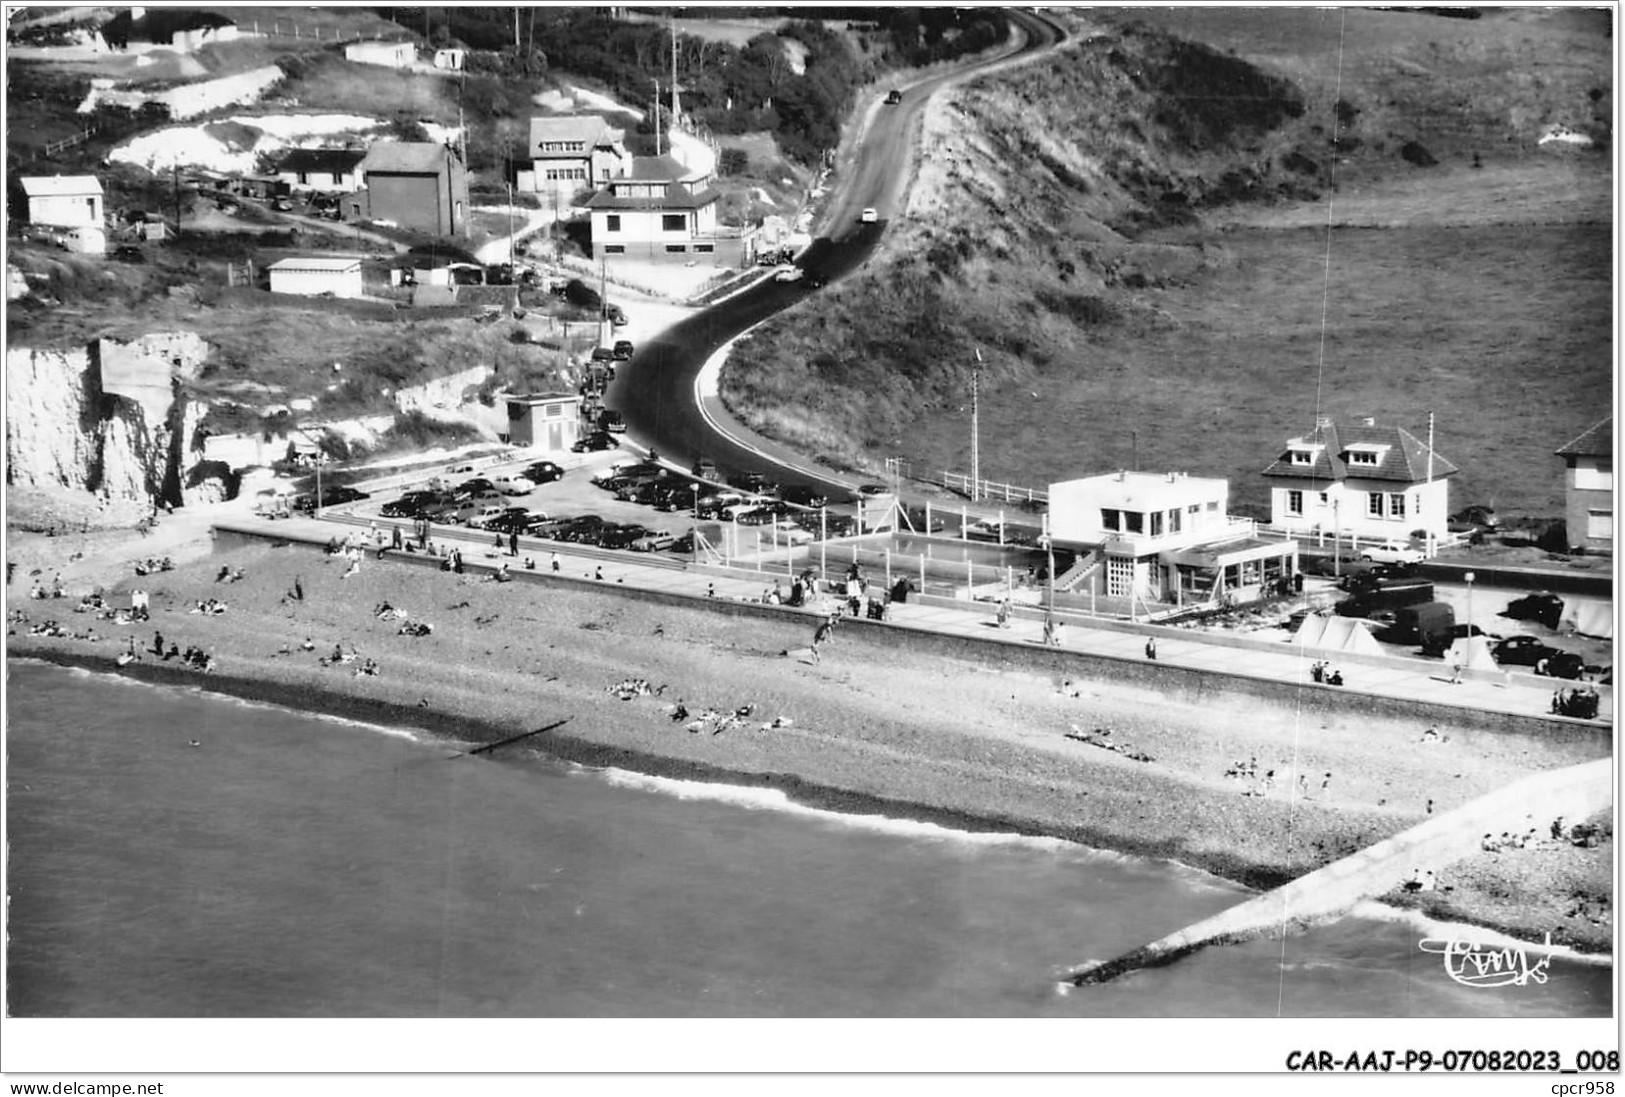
(1255, 793)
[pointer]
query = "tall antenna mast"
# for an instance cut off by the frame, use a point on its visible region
(975, 428)
(657, 117)
(675, 113)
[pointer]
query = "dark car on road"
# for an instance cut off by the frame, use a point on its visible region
(622, 350)
(592, 443)
(1562, 664)
(543, 472)
(894, 97)
(1547, 609)
(622, 535)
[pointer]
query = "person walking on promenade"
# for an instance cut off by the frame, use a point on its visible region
(822, 635)
(513, 542)
(1049, 630)
(554, 563)
(1151, 647)
(1003, 616)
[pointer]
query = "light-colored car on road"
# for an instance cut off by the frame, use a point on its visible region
(513, 485)
(1392, 552)
(869, 215)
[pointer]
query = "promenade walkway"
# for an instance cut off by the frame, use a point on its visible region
(1265, 656)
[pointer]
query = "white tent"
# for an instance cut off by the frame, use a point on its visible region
(1589, 619)
(1473, 653)
(1330, 633)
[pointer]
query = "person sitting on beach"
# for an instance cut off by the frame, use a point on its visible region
(308, 645)
(1487, 843)
(502, 575)
(1335, 679)
(174, 652)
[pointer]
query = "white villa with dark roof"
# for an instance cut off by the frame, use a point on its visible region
(571, 153)
(659, 210)
(1360, 480)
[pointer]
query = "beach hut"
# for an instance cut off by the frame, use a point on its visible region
(1471, 653)
(1589, 619)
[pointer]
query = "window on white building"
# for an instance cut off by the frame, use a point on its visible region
(1600, 525)
(1294, 502)
(707, 248)
(1303, 457)
(1325, 497)
(1111, 519)
(612, 223)
(614, 249)
(1373, 503)
(1396, 505)
(1593, 478)
(1174, 517)
(673, 222)
(1133, 522)
(676, 249)
(1156, 523)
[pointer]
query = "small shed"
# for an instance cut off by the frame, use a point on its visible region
(315, 276)
(64, 201)
(549, 421)
(449, 57)
(395, 55)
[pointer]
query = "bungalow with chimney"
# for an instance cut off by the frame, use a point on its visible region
(660, 210)
(416, 185)
(1360, 480)
(329, 170)
(1161, 542)
(1589, 488)
(572, 153)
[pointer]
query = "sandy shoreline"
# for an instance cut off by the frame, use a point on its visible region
(966, 743)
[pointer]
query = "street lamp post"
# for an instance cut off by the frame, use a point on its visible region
(1469, 577)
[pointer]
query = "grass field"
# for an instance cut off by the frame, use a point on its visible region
(1502, 331)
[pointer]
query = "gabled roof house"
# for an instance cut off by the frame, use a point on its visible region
(660, 209)
(573, 152)
(1588, 484)
(1360, 480)
(322, 169)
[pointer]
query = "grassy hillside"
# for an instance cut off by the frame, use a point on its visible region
(1134, 234)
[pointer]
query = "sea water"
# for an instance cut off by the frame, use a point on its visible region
(178, 854)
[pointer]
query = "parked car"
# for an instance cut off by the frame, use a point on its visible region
(982, 530)
(514, 485)
(787, 272)
(803, 496)
(616, 316)
(1547, 609)
(869, 215)
(894, 97)
(499, 518)
(1369, 595)
(594, 442)
(788, 530)
(653, 541)
(335, 496)
(620, 536)
(622, 350)
(1562, 664)
(611, 421)
(761, 514)
(1522, 651)
(869, 491)
(1476, 518)
(1392, 552)
(476, 483)
(543, 472)
(472, 514)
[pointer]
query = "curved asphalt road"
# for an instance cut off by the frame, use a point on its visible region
(655, 391)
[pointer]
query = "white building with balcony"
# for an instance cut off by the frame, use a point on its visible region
(1164, 538)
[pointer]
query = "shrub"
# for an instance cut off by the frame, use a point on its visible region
(733, 162)
(1413, 152)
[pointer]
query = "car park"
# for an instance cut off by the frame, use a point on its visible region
(1392, 552)
(594, 442)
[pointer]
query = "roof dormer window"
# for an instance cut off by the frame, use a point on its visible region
(1303, 457)
(1362, 457)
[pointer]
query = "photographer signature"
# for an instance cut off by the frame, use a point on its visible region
(1474, 965)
